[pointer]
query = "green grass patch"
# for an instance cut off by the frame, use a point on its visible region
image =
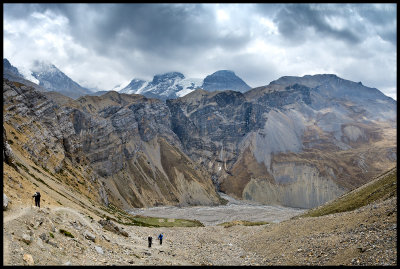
(382, 189)
(242, 222)
(166, 222)
(66, 233)
(22, 166)
(61, 194)
(47, 170)
(51, 234)
(37, 170)
(223, 201)
(137, 256)
(123, 217)
(40, 180)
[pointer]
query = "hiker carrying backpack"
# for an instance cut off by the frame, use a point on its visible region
(37, 199)
(160, 237)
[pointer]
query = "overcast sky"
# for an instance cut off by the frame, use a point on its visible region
(103, 45)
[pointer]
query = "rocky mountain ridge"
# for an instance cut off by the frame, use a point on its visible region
(52, 79)
(10, 72)
(275, 144)
(172, 85)
(121, 142)
(299, 141)
(10, 69)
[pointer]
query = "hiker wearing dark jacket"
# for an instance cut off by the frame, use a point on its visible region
(37, 199)
(150, 239)
(160, 237)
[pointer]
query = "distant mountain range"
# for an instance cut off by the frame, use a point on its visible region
(165, 86)
(174, 84)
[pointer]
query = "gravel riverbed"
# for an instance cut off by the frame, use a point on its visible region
(213, 215)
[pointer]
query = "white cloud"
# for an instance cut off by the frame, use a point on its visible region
(222, 16)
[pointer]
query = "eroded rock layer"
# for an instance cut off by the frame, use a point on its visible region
(299, 141)
(124, 143)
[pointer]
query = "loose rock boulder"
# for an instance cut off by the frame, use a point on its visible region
(28, 259)
(99, 249)
(44, 237)
(26, 238)
(89, 236)
(110, 226)
(5, 202)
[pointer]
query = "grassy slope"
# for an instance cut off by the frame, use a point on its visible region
(381, 188)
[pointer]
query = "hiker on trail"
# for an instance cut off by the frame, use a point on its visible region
(150, 239)
(37, 199)
(160, 237)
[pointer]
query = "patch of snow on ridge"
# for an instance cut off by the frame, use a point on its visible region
(141, 89)
(27, 74)
(189, 85)
(119, 87)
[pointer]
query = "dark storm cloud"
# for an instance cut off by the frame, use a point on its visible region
(20, 10)
(383, 17)
(165, 29)
(294, 21)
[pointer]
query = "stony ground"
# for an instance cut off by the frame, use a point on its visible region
(366, 236)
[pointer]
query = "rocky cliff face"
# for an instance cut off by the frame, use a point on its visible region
(123, 143)
(299, 141)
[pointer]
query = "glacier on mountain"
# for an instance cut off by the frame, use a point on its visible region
(172, 85)
(163, 86)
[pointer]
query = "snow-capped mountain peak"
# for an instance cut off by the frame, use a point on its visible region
(163, 86)
(53, 79)
(174, 84)
(135, 86)
(43, 67)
